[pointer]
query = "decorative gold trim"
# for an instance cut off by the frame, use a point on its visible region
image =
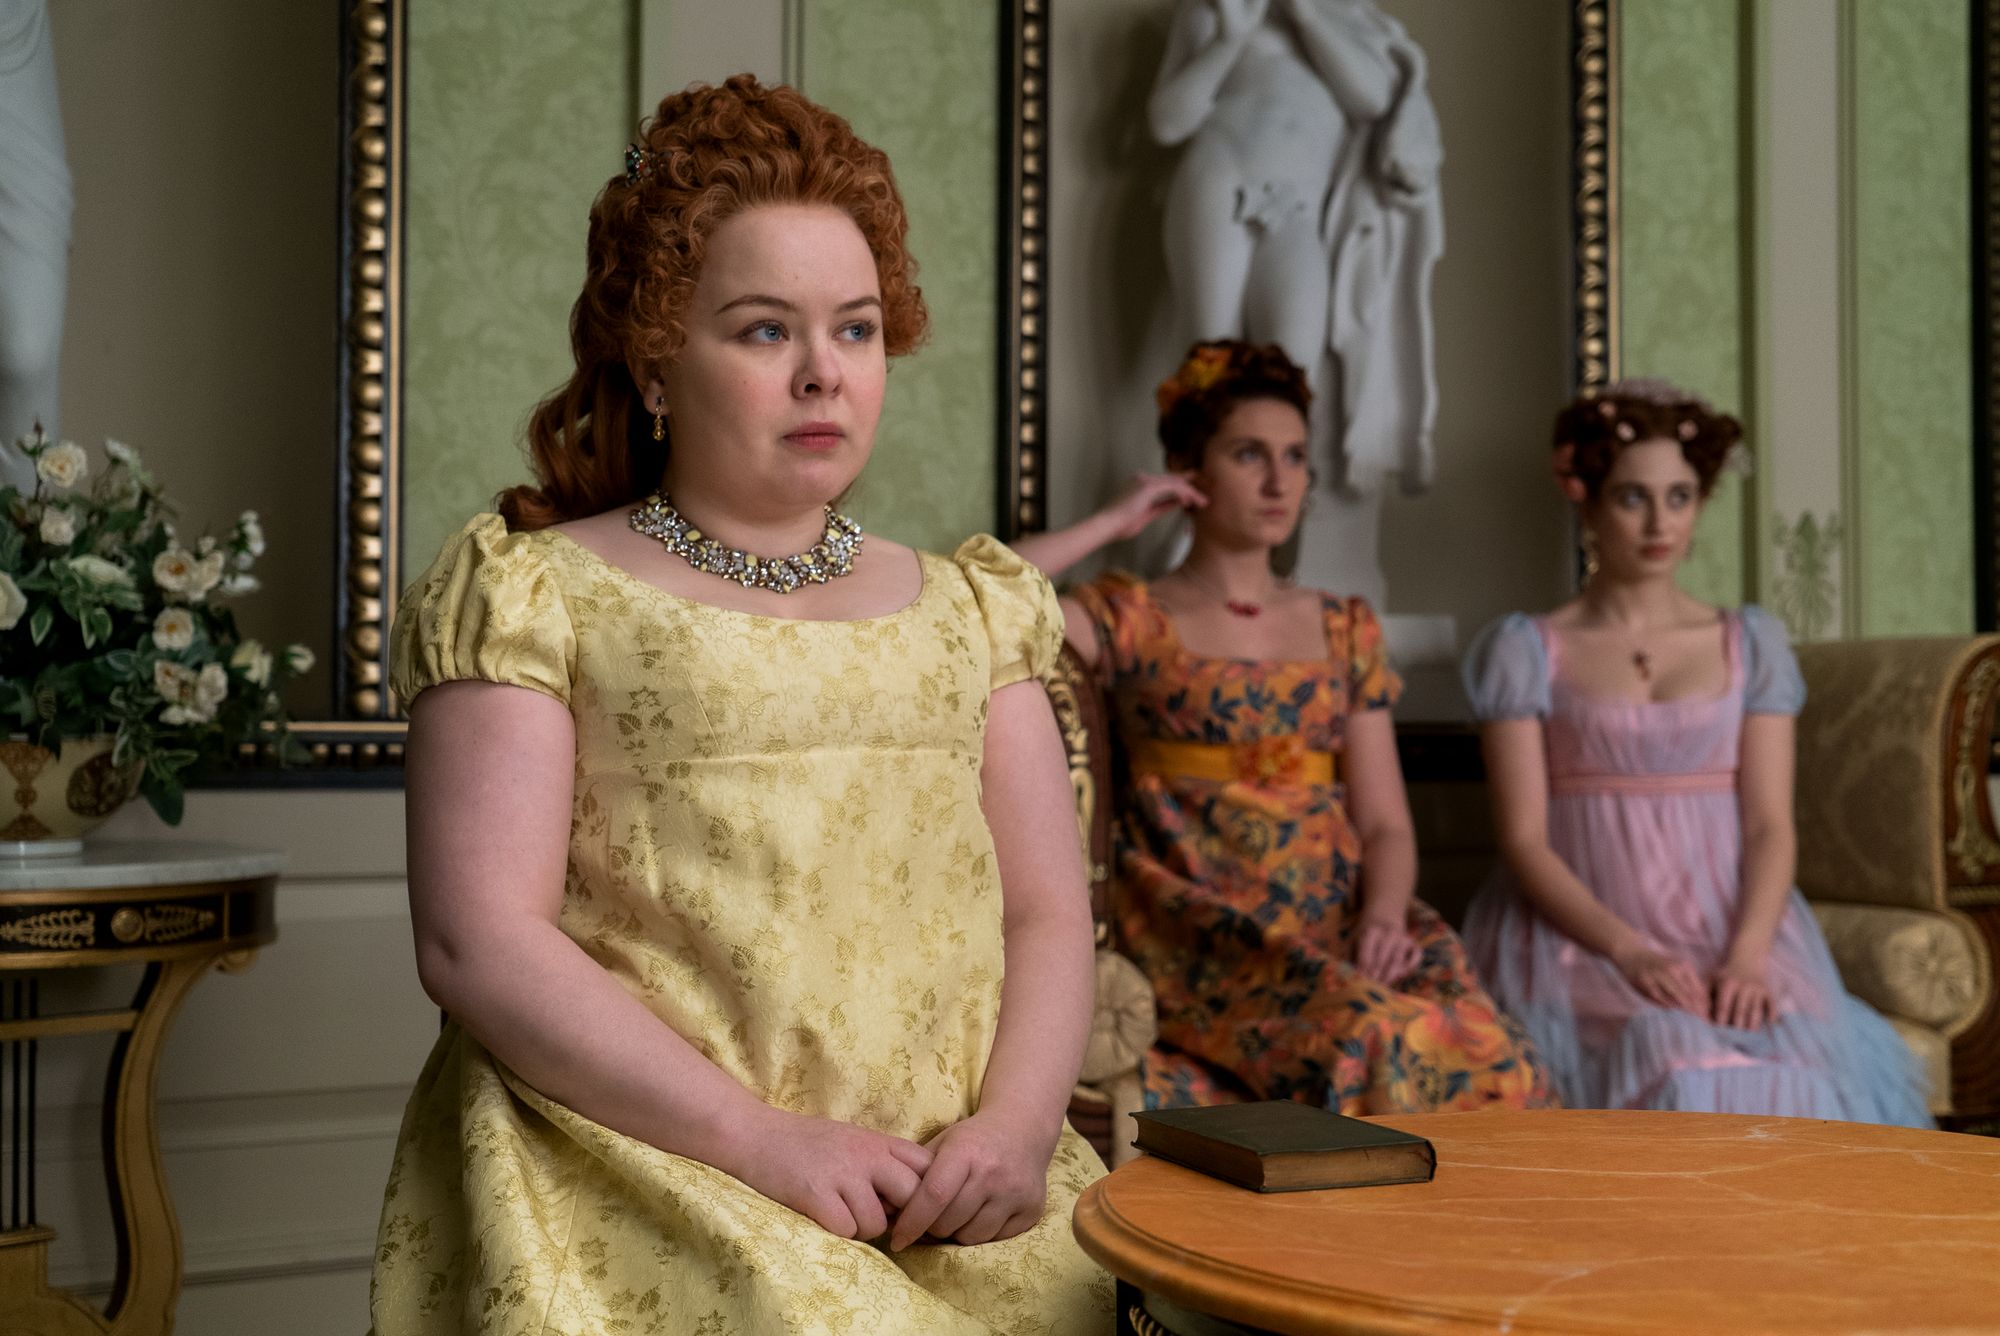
(1594, 165)
(1972, 850)
(370, 568)
(1024, 268)
(53, 930)
(1076, 746)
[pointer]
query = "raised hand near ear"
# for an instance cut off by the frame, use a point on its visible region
(1149, 496)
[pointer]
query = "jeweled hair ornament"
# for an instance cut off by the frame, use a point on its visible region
(638, 164)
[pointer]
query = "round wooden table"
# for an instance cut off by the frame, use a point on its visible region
(1579, 1221)
(181, 909)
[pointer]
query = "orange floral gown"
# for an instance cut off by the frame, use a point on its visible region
(1237, 897)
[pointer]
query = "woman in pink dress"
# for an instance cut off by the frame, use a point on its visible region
(1643, 924)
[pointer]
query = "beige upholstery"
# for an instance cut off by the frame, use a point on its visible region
(1898, 850)
(1924, 966)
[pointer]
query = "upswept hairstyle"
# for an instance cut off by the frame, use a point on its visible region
(1216, 376)
(706, 155)
(1592, 430)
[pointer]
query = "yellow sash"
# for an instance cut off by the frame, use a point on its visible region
(1279, 761)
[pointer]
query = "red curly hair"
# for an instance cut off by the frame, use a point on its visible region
(706, 155)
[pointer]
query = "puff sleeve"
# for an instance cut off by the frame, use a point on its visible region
(1024, 623)
(488, 609)
(1373, 684)
(1506, 672)
(1772, 683)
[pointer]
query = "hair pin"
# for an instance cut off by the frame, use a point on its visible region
(638, 164)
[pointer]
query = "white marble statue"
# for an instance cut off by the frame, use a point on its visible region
(35, 203)
(1305, 211)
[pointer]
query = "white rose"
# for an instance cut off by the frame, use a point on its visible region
(59, 526)
(123, 489)
(13, 603)
(121, 452)
(172, 568)
(299, 659)
(212, 686)
(174, 682)
(204, 545)
(63, 466)
(99, 571)
(253, 661)
(173, 628)
(204, 576)
(190, 697)
(239, 582)
(252, 532)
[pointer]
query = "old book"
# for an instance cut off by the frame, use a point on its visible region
(1283, 1146)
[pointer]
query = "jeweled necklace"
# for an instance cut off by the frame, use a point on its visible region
(831, 557)
(1239, 607)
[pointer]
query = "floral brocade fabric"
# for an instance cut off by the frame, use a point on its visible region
(777, 845)
(1237, 897)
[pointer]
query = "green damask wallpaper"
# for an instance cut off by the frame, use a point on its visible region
(1682, 220)
(499, 189)
(517, 115)
(932, 480)
(1912, 318)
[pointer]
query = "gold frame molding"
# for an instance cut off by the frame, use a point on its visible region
(1594, 206)
(1024, 121)
(364, 732)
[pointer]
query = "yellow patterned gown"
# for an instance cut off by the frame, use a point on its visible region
(776, 844)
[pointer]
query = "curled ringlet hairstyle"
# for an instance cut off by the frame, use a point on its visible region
(1591, 431)
(708, 154)
(1216, 376)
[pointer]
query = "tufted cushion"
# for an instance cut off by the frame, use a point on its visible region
(1123, 1025)
(1924, 966)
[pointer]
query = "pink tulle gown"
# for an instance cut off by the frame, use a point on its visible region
(1643, 808)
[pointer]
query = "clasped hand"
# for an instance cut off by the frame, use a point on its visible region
(977, 1181)
(1736, 994)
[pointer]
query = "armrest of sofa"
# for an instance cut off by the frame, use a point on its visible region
(1123, 1021)
(1929, 967)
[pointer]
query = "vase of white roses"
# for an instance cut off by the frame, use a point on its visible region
(121, 667)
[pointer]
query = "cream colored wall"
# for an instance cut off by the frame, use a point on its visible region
(202, 137)
(1491, 536)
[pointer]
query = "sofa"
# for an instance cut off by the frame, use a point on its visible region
(1899, 856)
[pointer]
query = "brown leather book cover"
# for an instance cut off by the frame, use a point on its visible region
(1284, 1146)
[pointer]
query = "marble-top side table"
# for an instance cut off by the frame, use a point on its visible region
(1572, 1222)
(180, 909)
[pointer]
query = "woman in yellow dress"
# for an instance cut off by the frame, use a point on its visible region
(767, 989)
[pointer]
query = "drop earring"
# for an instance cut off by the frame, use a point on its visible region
(1589, 554)
(659, 422)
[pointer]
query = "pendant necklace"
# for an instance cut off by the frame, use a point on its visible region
(1238, 607)
(828, 559)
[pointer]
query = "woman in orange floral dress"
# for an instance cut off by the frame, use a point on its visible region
(1258, 778)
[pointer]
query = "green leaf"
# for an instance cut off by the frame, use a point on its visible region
(39, 624)
(168, 802)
